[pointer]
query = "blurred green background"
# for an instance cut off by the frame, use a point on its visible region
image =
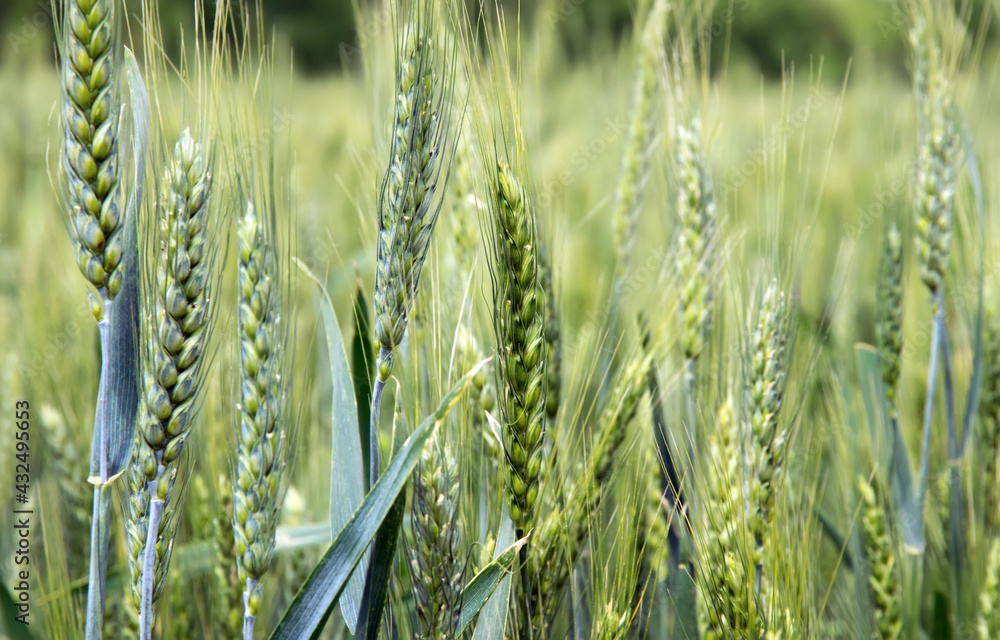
(323, 34)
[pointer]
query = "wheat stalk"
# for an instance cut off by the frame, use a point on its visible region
(767, 370)
(696, 241)
(553, 340)
(880, 555)
(726, 607)
(936, 169)
(889, 326)
(410, 199)
(519, 325)
(437, 535)
(265, 433)
(179, 312)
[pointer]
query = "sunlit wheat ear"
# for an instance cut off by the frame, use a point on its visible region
(519, 325)
(935, 180)
(725, 579)
(989, 412)
(264, 434)
(696, 239)
(437, 536)
(562, 534)
(880, 556)
(410, 200)
(634, 171)
(178, 318)
(889, 300)
(90, 115)
(767, 437)
(988, 620)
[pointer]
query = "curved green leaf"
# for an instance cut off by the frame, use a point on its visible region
(346, 463)
(315, 600)
(479, 591)
(493, 619)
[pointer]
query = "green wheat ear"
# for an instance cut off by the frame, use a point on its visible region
(265, 434)
(936, 180)
(90, 143)
(519, 324)
(880, 556)
(180, 311)
(767, 371)
(889, 327)
(410, 200)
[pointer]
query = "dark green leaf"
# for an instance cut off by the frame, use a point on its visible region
(363, 368)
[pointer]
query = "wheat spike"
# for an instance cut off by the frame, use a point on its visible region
(639, 139)
(519, 325)
(437, 535)
(765, 390)
(696, 240)
(880, 555)
(265, 432)
(410, 199)
(889, 327)
(179, 313)
(936, 168)
(89, 159)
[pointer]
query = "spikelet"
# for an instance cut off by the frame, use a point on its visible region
(519, 325)
(936, 167)
(419, 158)
(889, 326)
(89, 158)
(179, 314)
(765, 389)
(265, 430)
(437, 534)
(696, 240)
(880, 555)
(638, 143)
(726, 606)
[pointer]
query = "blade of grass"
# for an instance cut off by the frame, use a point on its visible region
(313, 603)
(492, 622)
(480, 589)
(346, 461)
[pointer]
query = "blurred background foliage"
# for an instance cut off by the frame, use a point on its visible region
(323, 34)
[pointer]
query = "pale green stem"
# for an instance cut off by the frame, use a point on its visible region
(148, 564)
(102, 499)
(248, 618)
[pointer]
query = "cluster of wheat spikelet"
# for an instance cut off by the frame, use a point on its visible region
(180, 316)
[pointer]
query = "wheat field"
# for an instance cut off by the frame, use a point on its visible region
(634, 343)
